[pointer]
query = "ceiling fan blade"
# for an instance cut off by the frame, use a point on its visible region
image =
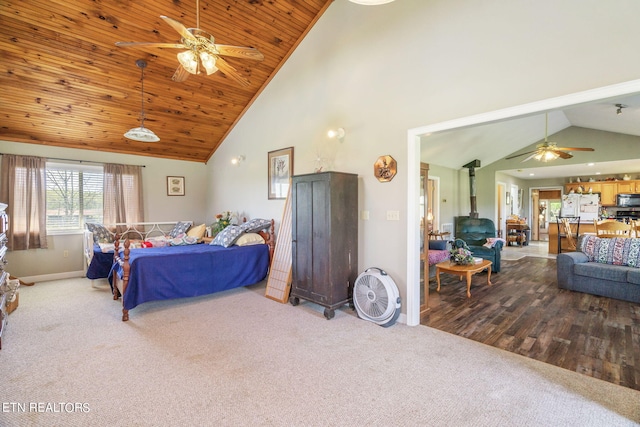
(535, 153)
(574, 149)
(151, 44)
(521, 154)
(239, 52)
(180, 75)
(231, 72)
(564, 155)
(184, 32)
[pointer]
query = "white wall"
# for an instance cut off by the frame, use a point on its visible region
(157, 205)
(379, 71)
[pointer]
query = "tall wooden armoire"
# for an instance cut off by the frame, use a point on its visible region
(324, 210)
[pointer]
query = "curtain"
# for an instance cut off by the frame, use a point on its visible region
(23, 188)
(123, 197)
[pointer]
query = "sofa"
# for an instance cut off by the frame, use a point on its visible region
(480, 236)
(602, 266)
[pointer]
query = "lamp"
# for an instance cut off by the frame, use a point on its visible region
(236, 160)
(620, 107)
(141, 133)
(336, 133)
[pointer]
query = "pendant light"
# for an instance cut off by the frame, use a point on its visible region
(141, 133)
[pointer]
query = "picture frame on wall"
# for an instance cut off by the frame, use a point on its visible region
(280, 171)
(175, 186)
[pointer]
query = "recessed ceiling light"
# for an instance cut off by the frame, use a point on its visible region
(590, 164)
(531, 174)
(597, 173)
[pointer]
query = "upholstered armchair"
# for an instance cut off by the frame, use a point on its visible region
(477, 232)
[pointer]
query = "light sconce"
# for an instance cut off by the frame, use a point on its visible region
(620, 107)
(236, 160)
(336, 134)
(141, 133)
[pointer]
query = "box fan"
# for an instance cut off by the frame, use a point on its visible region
(376, 297)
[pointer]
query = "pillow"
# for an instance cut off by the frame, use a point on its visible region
(179, 228)
(255, 225)
(100, 233)
(228, 236)
(197, 232)
(249, 239)
(615, 251)
(182, 240)
(438, 245)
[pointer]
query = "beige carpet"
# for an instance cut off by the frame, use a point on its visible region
(240, 359)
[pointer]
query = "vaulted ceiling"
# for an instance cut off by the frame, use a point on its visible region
(65, 83)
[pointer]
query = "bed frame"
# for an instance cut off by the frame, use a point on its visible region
(120, 285)
(141, 230)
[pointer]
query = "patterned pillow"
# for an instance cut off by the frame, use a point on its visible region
(228, 236)
(615, 251)
(182, 240)
(100, 233)
(255, 225)
(179, 228)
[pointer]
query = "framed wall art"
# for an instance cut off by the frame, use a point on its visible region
(175, 186)
(280, 172)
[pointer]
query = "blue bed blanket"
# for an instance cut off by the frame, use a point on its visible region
(100, 264)
(189, 271)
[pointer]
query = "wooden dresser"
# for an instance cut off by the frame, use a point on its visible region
(324, 213)
(4, 276)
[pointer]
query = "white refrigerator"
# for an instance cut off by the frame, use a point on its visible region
(586, 206)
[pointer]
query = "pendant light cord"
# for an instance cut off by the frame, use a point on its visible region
(142, 94)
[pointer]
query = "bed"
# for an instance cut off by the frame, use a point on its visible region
(99, 256)
(152, 274)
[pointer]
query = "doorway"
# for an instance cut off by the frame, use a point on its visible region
(414, 140)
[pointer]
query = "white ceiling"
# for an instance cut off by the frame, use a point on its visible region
(495, 141)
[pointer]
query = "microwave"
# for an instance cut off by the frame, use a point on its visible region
(628, 201)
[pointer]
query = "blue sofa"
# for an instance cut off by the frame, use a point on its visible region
(595, 269)
(475, 232)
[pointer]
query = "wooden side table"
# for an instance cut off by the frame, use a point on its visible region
(463, 270)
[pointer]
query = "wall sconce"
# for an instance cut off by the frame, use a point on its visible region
(620, 107)
(236, 160)
(336, 134)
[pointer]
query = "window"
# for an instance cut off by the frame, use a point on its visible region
(74, 196)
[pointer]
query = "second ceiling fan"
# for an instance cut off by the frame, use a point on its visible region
(202, 53)
(548, 151)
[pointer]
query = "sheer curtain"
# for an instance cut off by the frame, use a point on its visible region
(23, 189)
(123, 201)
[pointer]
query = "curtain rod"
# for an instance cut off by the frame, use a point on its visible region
(81, 161)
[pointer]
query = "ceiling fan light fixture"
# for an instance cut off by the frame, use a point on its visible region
(546, 156)
(189, 61)
(208, 62)
(141, 133)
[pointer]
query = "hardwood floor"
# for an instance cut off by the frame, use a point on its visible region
(525, 312)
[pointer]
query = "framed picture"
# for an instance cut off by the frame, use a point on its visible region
(175, 186)
(280, 172)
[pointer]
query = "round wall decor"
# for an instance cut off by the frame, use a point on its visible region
(385, 168)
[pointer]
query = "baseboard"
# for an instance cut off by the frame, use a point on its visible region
(55, 276)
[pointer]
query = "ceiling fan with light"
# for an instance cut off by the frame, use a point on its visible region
(548, 151)
(201, 52)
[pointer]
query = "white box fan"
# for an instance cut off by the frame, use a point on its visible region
(376, 297)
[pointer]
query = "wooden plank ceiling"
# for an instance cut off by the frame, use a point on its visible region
(65, 83)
